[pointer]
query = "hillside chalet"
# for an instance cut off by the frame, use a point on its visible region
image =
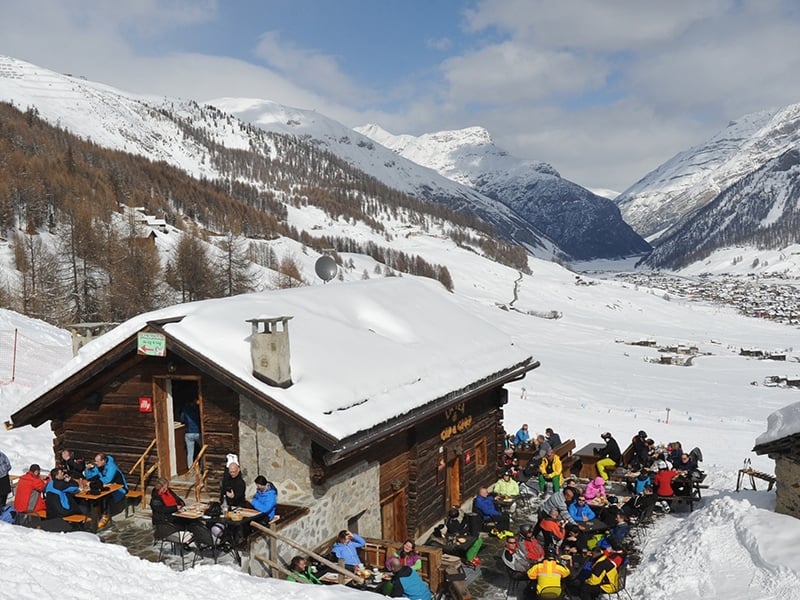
(781, 442)
(373, 405)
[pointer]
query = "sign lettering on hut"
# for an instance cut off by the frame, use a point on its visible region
(151, 344)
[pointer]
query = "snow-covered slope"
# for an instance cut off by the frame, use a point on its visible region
(694, 177)
(581, 223)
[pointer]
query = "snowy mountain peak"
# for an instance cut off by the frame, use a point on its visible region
(694, 177)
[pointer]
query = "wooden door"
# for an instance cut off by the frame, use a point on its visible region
(453, 496)
(393, 516)
(162, 411)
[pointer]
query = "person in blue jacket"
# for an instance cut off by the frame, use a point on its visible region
(105, 468)
(266, 498)
(580, 508)
(58, 496)
(346, 548)
(523, 438)
(407, 583)
(485, 506)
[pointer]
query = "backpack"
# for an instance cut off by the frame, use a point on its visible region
(8, 514)
(214, 510)
(696, 454)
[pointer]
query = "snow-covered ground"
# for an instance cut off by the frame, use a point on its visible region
(590, 380)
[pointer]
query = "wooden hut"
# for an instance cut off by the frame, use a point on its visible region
(375, 405)
(781, 442)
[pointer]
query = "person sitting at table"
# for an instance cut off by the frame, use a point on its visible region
(266, 498)
(106, 469)
(508, 442)
(603, 576)
(530, 545)
(513, 556)
(542, 446)
(580, 511)
(641, 452)
(346, 548)
(687, 463)
(523, 438)
(610, 453)
(407, 583)
(486, 508)
(71, 464)
(641, 506)
(596, 490)
(575, 540)
(164, 502)
(301, 571)
(232, 489)
(59, 496)
(408, 555)
(617, 534)
(506, 486)
(30, 491)
(552, 526)
(662, 481)
(454, 537)
(550, 471)
(560, 500)
(674, 453)
(552, 438)
(548, 574)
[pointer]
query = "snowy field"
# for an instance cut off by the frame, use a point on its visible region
(591, 380)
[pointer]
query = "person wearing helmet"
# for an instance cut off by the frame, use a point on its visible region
(530, 545)
(611, 456)
(548, 574)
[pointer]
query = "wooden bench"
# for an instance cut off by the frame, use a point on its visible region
(564, 452)
(77, 520)
(132, 498)
(753, 475)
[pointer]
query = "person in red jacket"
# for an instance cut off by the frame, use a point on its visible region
(663, 479)
(30, 491)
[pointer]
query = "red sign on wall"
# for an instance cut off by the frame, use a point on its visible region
(467, 457)
(145, 404)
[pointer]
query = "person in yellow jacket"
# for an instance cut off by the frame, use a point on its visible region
(603, 579)
(548, 574)
(550, 470)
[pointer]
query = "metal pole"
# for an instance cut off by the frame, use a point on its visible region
(14, 356)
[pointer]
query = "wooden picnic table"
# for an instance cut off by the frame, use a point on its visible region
(93, 498)
(588, 459)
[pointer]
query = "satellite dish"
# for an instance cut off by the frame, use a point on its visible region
(326, 268)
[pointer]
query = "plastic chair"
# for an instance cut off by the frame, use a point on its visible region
(203, 541)
(514, 579)
(168, 533)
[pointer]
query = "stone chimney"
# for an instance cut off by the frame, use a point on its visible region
(269, 350)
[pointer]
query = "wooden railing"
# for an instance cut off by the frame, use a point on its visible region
(200, 475)
(144, 475)
(272, 560)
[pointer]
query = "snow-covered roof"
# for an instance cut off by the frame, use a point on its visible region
(781, 424)
(361, 353)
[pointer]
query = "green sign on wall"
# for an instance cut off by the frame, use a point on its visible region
(151, 344)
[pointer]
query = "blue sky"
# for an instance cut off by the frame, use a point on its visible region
(605, 91)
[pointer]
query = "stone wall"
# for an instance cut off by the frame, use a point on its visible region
(282, 453)
(787, 471)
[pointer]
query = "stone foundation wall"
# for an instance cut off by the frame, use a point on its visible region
(282, 453)
(787, 500)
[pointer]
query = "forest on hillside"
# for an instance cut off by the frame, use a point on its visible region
(81, 254)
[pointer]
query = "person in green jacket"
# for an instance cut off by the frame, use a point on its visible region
(301, 571)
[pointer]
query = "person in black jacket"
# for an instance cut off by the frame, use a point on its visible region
(611, 456)
(164, 502)
(72, 464)
(232, 490)
(59, 496)
(641, 452)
